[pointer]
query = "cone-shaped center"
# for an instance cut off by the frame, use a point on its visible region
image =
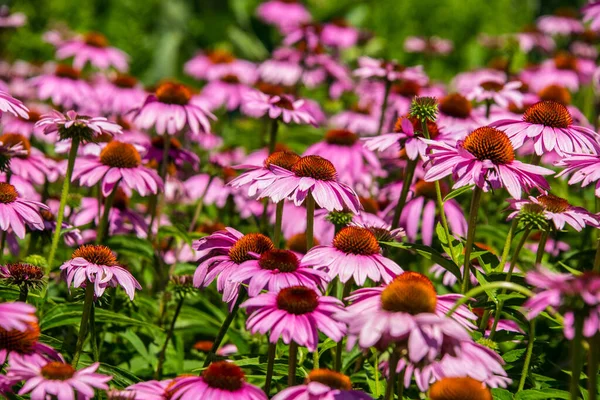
(315, 167)
(297, 243)
(66, 71)
(8, 193)
(125, 81)
(427, 189)
(492, 86)
(13, 139)
(280, 260)
(565, 61)
(96, 254)
(283, 159)
(455, 105)
(173, 93)
(459, 389)
(20, 341)
(556, 93)
(554, 203)
(220, 57)
(120, 155)
(342, 137)
(548, 113)
(22, 273)
(297, 300)
(95, 39)
(327, 377)
(58, 371)
(356, 240)
(250, 243)
(487, 143)
(285, 103)
(224, 375)
(411, 293)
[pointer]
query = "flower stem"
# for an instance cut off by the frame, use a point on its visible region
(292, 361)
(273, 135)
(163, 350)
(270, 364)
(93, 334)
(85, 317)
(597, 257)
(388, 87)
(593, 360)
(153, 206)
(513, 262)
(471, 237)
(278, 221)
(2, 245)
(339, 348)
(23, 293)
(316, 358)
(409, 172)
(103, 226)
(528, 354)
(393, 363)
(576, 357)
(541, 248)
(199, 206)
(224, 328)
(63, 201)
(400, 383)
(477, 290)
(310, 221)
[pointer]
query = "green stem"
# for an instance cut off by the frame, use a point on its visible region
(388, 87)
(163, 350)
(393, 363)
(376, 372)
(576, 357)
(23, 293)
(224, 328)
(270, 364)
(273, 135)
(103, 226)
(292, 361)
(528, 354)
(597, 257)
(153, 206)
(63, 201)
(2, 246)
(476, 291)
(409, 173)
(85, 317)
(310, 221)
(93, 334)
(199, 206)
(401, 384)
(339, 348)
(541, 247)
(316, 358)
(593, 360)
(278, 221)
(471, 237)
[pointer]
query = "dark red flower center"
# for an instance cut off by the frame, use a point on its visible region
(8, 193)
(565, 61)
(487, 143)
(315, 167)
(360, 109)
(459, 389)
(297, 300)
(455, 105)
(211, 227)
(34, 116)
(66, 71)
(548, 113)
(125, 81)
(173, 93)
(297, 243)
(285, 103)
(96, 254)
(230, 78)
(120, 155)
(22, 273)
(204, 346)
(356, 240)
(369, 205)
(159, 142)
(220, 56)
(341, 137)
(95, 39)
(333, 379)
(283, 159)
(279, 260)
(427, 189)
(410, 292)
(224, 375)
(13, 139)
(492, 86)
(250, 243)
(20, 341)
(567, 12)
(408, 89)
(556, 93)
(554, 203)
(57, 371)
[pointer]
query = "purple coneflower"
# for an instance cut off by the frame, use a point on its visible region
(16, 213)
(120, 94)
(531, 37)
(17, 316)
(93, 48)
(211, 65)
(295, 313)
(354, 253)
(221, 380)
(428, 45)
(8, 20)
(30, 163)
(389, 70)
(339, 34)
(323, 384)
(151, 390)
(12, 105)
(229, 91)
(459, 389)
(584, 167)
(456, 115)
(591, 14)
(178, 155)
(98, 265)
(498, 92)
(64, 88)
(71, 125)
(258, 104)
(564, 22)
(485, 158)
(286, 15)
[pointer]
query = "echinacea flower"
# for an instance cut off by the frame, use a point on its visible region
(16, 213)
(44, 379)
(17, 316)
(12, 105)
(498, 92)
(531, 37)
(564, 22)
(354, 254)
(118, 164)
(64, 87)
(485, 158)
(215, 64)
(339, 34)
(389, 70)
(220, 254)
(359, 118)
(22, 275)
(74, 126)
(550, 126)
(286, 15)
(151, 390)
(99, 266)
(277, 269)
(459, 389)
(30, 164)
(576, 296)
(585, 169)
(555, 209)
(221, 380)
(591, 14)
(177, 154)
(284, 107)
(315, 176)
(456, 115)
(119, 94)
(169, 110)
(229, 91)
(11, 20)
(323, 384)
(295, 313)
(92, 48)
(428, 45)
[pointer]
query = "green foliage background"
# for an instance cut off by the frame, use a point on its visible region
(160, 35)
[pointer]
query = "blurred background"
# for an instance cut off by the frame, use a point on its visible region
(161, 35)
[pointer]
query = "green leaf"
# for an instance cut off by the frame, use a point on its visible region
(70, 314)
(542, 394)
(458, 192)
(430, 254)
(138, 345)
(173, 231)
(501, 394)
(131, 245)
(513, 355)
(121, 378)
(457, 246)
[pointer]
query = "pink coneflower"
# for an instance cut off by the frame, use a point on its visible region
(564, 22)
(119, 94)
(284, 68)
(459, 389)
(389, 70)
(295, 313)
(151, 390)
(118, 164)
(71, 124)
(64, 87)
(584, 167)
(17, 316)
(316, 176)
(178, 155)
(12, 105)
(258, 104)
(550, 126)
(45, 379)
(169, 110)
(8, 20)
(27, 126)
(354, 253)
(404, 311)
(16, 213)
(93, 48)
(569, 294)
(428, 45)
(30, 164)
(498, 92)
(531, 37)
(221, 380)
(277, 269)
(71, 234)
(216, 64)
(220, 254)
(555, 209)
(485, 158)
(553, 246)
(359, 118)
(323, 384)
(229, 91)
(464, 82)
(356, 164)
(456, 115)
(98, 265)
(338, 33)
(286, 15)
(591, 14)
